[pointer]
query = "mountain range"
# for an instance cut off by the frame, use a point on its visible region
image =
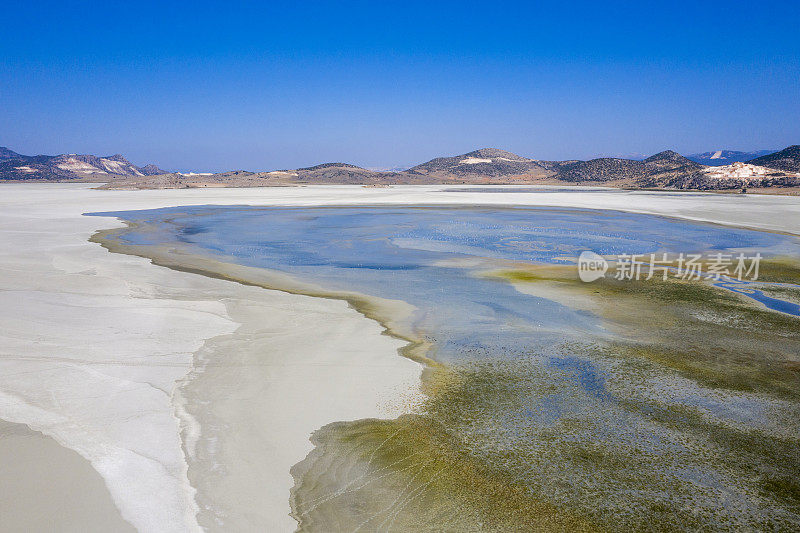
(666, 169)
(14, 166)
(720, 158)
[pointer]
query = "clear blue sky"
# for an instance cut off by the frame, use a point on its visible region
(216, 86)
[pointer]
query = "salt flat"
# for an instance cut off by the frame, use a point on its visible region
(94, 345)
(103, 352)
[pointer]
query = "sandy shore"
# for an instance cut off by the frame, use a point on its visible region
(195, 421)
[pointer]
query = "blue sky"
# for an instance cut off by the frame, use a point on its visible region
(217, 86)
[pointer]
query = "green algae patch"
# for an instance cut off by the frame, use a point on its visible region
(672, 459)
(778, 269)
(485, 453)
(410, 475)
(419, 471)
(781, 269)
(706, 333)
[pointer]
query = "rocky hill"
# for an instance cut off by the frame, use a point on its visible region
(654, 171)
(670, 169)
(343, 173)
(14, 166)
(787, 159)
(600, 169)
(6, 154)
(151, 170)
(669, 160)
(720, 158)
(483, 163)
